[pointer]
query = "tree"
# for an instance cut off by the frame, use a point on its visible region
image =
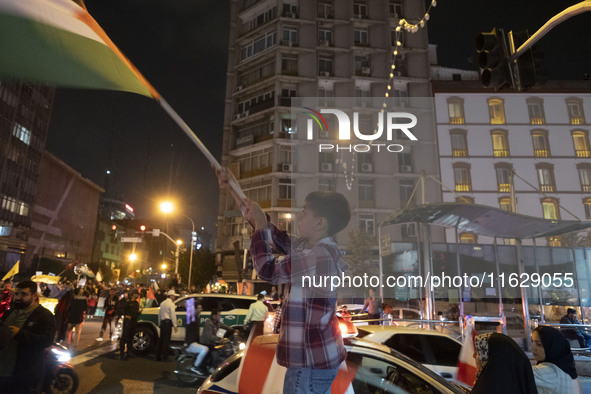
(360, 260)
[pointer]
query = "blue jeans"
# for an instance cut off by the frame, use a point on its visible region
(309, 380)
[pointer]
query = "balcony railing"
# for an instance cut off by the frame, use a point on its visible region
(547, 188)
(541, 153)
(260, 106)
(456, 120)
(459, 152)
(586, 188)
(537, 121)
(576, 120)
(500, 152)
(504, 187)
(463, 187)
(583, 153)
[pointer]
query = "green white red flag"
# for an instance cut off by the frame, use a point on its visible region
(57, 42)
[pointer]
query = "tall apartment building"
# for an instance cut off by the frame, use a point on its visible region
(25, 112)
(541, 134)
(326, 49)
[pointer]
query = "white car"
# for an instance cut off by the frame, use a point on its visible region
(369, 368)
(358, 315)
(233, 310)
(435, 350)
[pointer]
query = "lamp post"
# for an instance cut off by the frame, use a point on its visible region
(168, 207)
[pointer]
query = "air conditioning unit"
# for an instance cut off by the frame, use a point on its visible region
(326, 167)
(405, 168)
(287, 167)
(289, 15)
(366, 167)
(238, 88)
(245, 114)
(324, 43)
(365, 71)
(325, 73)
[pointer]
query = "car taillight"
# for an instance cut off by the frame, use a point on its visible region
(347, 329)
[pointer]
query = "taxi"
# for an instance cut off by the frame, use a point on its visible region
(369, 368)
(233, 309)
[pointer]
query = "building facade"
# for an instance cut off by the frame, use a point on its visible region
(541, 136)
(323, 49)
(25, 112)
(64, 217)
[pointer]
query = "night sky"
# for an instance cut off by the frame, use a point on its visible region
(180, 46)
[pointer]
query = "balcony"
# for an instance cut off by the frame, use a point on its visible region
(463, 187)
(260, 106)
(504, 187)
(258, 171)
(285, 101)
(577, 120)
(501, 152)
(456, 120)
(582, 153)
(283, 203)
(537, 121)
(459, 152)
(541, 153)
(586, 188)
(546, 188)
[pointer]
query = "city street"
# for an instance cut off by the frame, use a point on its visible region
(100, 371)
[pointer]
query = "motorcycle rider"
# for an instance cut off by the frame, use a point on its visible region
(213, 331)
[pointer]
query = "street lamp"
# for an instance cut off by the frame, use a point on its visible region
(168, 207)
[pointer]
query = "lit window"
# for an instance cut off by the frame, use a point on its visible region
(456, 110)
(367, 223)
(574, 107)
(503, 171)
(540, 143)
(550, 208)
(585, 177)
(505, 204)
(581, 143)
(555, 241)
(496, 111)
(546, 177)
(22, 133)
(462, 177)
(587, 204)
(535, 108)
(459, 143)
(468, 238)
(500, 142)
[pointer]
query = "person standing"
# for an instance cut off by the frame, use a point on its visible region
(76, 311)
(5, 296)
(109, 307)
(372, 303)
(256, 316)
(166, 321)
(130, 310)
(31, 329)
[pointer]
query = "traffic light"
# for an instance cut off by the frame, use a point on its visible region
(525, 64)
(114, 231)
(493, 59)
(142, 228)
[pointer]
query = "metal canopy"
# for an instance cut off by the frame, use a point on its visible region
(485, 220)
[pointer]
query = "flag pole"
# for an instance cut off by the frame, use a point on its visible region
(187, 130)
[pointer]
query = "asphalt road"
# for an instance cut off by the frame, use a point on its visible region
(100, 371)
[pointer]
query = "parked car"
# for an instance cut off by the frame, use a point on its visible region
(435, 350)
(370, 368)
(358, 314)
(233, 307)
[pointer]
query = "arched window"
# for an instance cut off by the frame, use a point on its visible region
(503, 171)
(574, 107)
(462, 177)
(546, 177)
(535, 108)
(459, 143)
(550, 208)
(496, 110)
(455, 106)
(587, 205)
(500, 140)
(585, 176)
(540, 143)
(505, 204)
(581, 143)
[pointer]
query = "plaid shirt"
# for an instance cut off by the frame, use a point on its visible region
(309, 335)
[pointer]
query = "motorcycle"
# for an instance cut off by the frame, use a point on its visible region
(60, 377)
(225, 348)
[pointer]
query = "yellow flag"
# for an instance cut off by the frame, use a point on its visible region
(13, 271)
